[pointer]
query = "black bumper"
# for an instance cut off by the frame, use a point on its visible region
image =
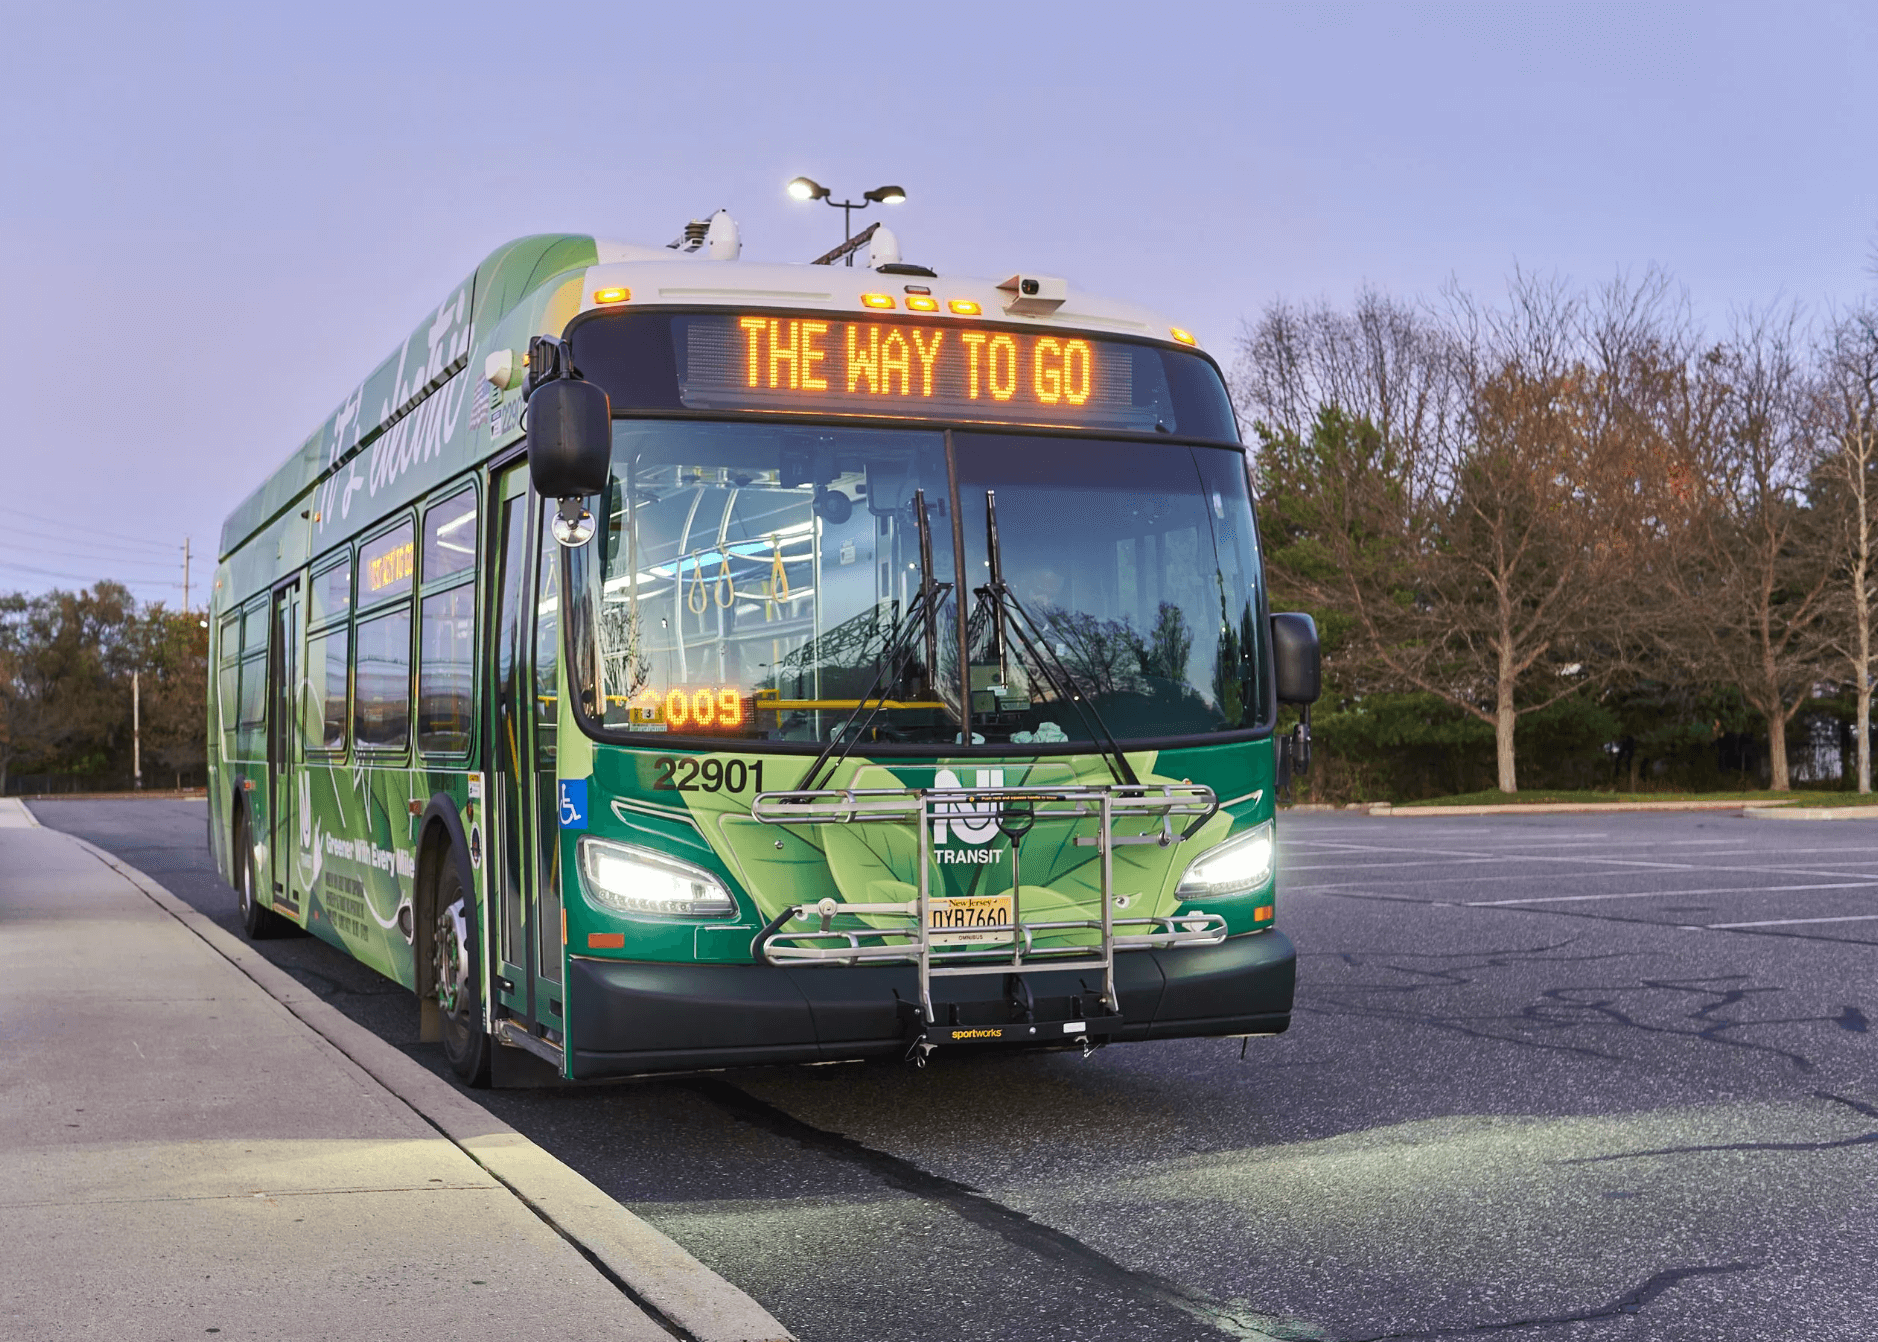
(626, 1017)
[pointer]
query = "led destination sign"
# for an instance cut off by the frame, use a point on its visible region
(941, 370)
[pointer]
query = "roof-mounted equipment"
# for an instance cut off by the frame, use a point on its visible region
(718, 238)
(1034, 295)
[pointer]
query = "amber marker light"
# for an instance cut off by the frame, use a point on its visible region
(611, 295)
(877, 300)
(964, 307)
(922, 303)
(1184, 337)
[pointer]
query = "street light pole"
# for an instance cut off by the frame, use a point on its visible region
(805, 188)
(136, 733)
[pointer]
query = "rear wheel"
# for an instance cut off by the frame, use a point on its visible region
(458, 974)
(258, 922)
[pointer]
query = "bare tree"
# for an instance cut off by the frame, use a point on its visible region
(1545, 532)
(1848, 407)
(1387, 363)
(1751, 575)
(1350, 411)
(1476, 549)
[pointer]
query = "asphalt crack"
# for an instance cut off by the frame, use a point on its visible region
(1016, 1228)
(1631, 1303)
(1556, 1022)
(1863, 1139)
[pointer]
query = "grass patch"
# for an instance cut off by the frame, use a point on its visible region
(1761, 797)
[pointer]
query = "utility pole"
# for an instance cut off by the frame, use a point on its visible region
(185, 575)
(136, 733)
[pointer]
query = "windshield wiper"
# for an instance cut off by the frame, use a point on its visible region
(1007, 615)
(922, 615)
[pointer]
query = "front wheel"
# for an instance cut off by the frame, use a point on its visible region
(458, 976)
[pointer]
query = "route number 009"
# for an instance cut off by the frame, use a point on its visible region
(683, 773)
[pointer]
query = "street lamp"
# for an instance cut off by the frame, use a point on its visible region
(807, 188)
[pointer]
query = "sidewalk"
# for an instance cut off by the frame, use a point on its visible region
(186, 1155)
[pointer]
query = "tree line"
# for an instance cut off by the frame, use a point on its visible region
(66, 664)
(1567, 539)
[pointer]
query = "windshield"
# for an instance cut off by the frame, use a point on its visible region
(790, 583)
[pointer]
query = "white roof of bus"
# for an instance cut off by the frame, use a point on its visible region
(658, 275)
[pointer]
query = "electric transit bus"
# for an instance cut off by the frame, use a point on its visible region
(664, 661)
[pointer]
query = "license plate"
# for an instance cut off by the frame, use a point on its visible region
(955, 922)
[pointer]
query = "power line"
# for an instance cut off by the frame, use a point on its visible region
(108, 561)
(77, 556)
(93, 577)
(32, 541)
(133, 547)
(41, 517)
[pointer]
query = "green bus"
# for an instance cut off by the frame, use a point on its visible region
(663, 661)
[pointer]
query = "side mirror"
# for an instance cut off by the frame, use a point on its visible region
(1295, 659)
(570, 438)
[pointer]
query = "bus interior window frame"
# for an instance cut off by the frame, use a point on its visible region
(471, 575)
(246, 659)
(228, 658)
(363, 614)
(342, 556)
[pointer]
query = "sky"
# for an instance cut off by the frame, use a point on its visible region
(216, 219)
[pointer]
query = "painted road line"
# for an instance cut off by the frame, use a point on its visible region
(1474, 855)
(1794, 922)
(1658, 894)
(1812, 813)
(1568, 808)
(1700, 868)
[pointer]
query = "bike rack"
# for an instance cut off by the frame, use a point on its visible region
(912, 943)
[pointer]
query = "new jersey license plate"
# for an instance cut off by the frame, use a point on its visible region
(971, 920)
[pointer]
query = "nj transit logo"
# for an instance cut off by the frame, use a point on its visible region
(970, 822)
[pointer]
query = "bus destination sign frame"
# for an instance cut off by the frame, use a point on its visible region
(831, 365)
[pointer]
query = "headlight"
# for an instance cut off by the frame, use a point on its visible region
(639, 881)
(1236, 867)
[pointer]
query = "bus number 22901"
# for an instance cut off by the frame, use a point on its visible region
(684, 773)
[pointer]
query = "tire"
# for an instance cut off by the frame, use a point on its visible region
(260, 923)
(456, 962)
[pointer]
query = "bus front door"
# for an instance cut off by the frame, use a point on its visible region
(283, 739)
(525, 921)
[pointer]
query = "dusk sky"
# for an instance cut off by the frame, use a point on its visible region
(217, 219)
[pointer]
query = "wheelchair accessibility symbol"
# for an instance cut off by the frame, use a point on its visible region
(573, 803)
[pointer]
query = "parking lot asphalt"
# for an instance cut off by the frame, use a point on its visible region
(1550, 1077)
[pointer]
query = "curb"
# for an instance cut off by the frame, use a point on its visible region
(651, 1267)
(1811, 813)
(1574, 808)
(140, 794)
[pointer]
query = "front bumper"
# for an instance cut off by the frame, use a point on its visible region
(626, 1017)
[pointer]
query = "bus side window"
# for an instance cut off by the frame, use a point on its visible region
(228, 683)
(450, 536)
(383, 682)
(254, 628)
(251, 715)
(332, 593)
(447, 627)
(381, 640)
(328, 653)
(324, 714)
